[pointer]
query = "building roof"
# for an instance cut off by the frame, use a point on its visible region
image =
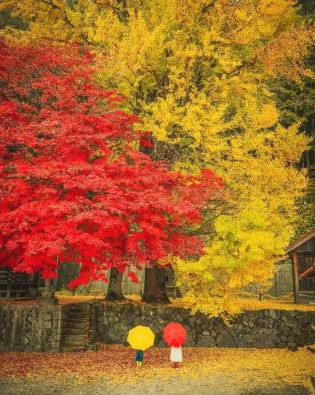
(303, 240)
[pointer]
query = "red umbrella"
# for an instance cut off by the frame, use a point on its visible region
(174, 334)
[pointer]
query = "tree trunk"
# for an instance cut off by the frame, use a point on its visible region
(154, 286)
(114, 292)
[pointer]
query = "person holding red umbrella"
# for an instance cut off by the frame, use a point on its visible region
(174, 334)
(176, 356)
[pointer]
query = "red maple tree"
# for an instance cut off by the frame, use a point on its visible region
(73, 185)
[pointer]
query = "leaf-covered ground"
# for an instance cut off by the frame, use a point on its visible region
(204, 371)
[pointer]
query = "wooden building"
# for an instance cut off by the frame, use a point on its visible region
(302, 254)
(19, 285)
(14, 285)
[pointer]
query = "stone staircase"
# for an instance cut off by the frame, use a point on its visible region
(76, 333)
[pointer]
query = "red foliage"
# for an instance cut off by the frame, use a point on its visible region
(145, 140)
(133, 277)
(72, 185)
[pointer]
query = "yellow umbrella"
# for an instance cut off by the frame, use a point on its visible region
(140, 337)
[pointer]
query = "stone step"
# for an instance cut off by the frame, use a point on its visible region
(75, 338)
(81, 346)
(77, 325)
(75, 331)
(78, 311)
(86, 313)
(73, 348)
(79, 308)
(77, 319)
(71, 343)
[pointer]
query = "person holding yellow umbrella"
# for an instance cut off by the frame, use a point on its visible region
(140, 338)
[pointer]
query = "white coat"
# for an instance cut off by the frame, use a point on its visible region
(176, 354)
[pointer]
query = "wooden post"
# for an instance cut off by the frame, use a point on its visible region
(47, 296)
(9, 280)
(295, 276)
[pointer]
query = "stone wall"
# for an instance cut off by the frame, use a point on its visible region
(93, 335)
(31, 327)
(259, 329)
(40, 328)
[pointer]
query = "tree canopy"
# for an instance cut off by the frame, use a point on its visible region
(198, 75)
